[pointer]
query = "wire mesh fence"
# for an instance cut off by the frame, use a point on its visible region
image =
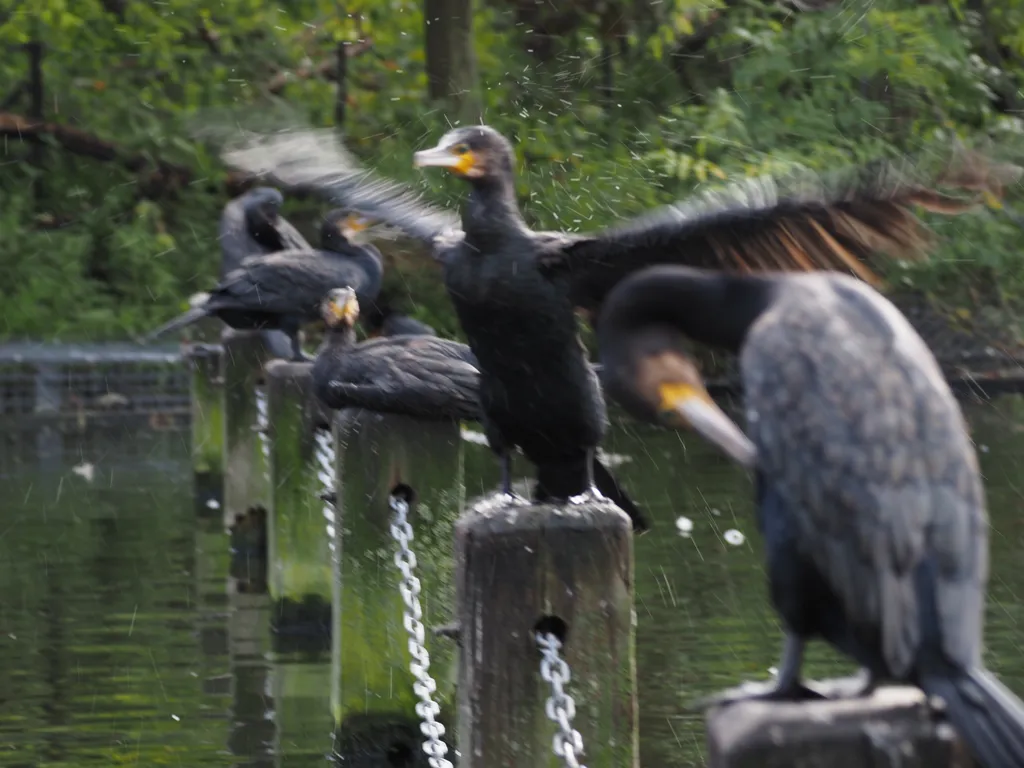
(86, 380)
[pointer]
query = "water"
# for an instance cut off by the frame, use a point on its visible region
(123, 641)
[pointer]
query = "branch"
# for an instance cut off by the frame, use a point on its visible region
(160, 176)
(327, 68)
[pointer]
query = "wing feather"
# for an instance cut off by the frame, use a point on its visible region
(803, 222)
(290, 282)
(863, 439)
(417, 376)
(314, 160)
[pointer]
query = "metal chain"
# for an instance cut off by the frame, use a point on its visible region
(262, 425)
(561, 708)
(325, 474)
(424, 687)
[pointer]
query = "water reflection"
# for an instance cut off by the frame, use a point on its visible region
(125, 638)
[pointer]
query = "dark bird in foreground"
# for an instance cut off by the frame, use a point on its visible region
(514, 289)
(252, 225)
(419, 375)
(868, 493)
(284, 290)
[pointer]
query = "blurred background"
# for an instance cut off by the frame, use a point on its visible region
(126, 633)
(110, 207)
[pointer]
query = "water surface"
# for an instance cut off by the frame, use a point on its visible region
(124, 641)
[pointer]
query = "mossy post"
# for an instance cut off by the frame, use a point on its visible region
(568, 570)
(372, 694)
(204, 361)
(253, 732)
(245, 467)
(302, 713)
(298, 546)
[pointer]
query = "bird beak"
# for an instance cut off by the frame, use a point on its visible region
(699, 411)
(347, 310)
(352, 225)
(443, 157)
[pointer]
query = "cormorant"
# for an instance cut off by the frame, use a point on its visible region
(869, 497)
(421, 376)
(284, 290)
(382, 318)
(537, 390)
(251, 225)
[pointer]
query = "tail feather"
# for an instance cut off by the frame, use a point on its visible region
(610, 488)
(986, 714)
(182, 320)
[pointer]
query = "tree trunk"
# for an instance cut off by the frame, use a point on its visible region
(451, 62)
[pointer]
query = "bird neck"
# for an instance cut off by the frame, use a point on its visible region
(492, 211)
(339, 336)
(708, 307)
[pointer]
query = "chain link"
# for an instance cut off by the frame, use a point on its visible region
(560, 708)
(262, 424)
(325, 457)
(424, 687)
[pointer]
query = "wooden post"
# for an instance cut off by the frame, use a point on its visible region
(372, 685)
(48, 388)
(298, 546)
(248, 641)
(302, 709)
(568, 569)
(245, 466)
(894, 726)
(204, 361)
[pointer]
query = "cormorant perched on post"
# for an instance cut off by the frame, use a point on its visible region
(869, 497)
(251, 225)
(284, 290)
(382, 318)
(420, 375)
(537, 390)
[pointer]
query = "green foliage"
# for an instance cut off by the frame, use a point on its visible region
(695, 94)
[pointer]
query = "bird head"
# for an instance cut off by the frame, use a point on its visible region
(264, 203)
(340, 308)
(475, 152)
(341, 227)
(657, 382)
(352, 225)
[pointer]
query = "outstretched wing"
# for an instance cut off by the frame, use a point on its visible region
(858, 432)
(314, 160)
(802, 222)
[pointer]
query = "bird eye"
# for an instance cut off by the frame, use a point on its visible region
(460, 149)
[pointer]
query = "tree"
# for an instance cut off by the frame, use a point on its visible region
(450, 55)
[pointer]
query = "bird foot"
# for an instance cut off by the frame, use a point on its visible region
(452, 631)
(764, 691)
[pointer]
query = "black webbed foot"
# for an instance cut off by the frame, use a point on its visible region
(769, 690)
(506, 474)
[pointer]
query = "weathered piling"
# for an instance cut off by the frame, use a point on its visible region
(245, 466)
(302, 711)
(372, 684)
(298, 546)
(893, 727)
(204, 362)
(253, 731)
(567, 570)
